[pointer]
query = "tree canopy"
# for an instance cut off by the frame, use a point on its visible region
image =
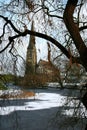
(63, 23)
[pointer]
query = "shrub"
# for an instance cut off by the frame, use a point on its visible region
(2, 86)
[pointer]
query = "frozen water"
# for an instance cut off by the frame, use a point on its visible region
(45, 111)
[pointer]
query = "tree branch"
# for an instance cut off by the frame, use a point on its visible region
(83, 28)
(44, 36)
(74, 31)
(11, 24)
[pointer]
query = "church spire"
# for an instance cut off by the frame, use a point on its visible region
(31, 58)
(32, 38)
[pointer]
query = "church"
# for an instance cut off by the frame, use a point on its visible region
(31, 58)
(42, 67)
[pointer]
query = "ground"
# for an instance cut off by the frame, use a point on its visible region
(46, 110)
(16, 95)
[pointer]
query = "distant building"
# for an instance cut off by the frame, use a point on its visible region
(43, 67)
(48, 69)
(31, 59)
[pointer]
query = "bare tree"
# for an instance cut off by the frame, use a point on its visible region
(52, 18)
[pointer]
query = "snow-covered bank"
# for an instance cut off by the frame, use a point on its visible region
(41, 111)
(10, 92)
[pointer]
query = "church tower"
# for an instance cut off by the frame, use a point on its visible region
(31, 59)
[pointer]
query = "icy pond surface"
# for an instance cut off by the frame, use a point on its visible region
(49, 109)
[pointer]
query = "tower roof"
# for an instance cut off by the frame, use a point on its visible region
(32, 38)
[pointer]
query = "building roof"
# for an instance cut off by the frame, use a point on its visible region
(47, 65)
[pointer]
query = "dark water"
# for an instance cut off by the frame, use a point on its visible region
(43, 119)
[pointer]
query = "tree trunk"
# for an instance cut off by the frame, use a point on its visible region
(74, 32)
(86, 127)
(84, 100)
